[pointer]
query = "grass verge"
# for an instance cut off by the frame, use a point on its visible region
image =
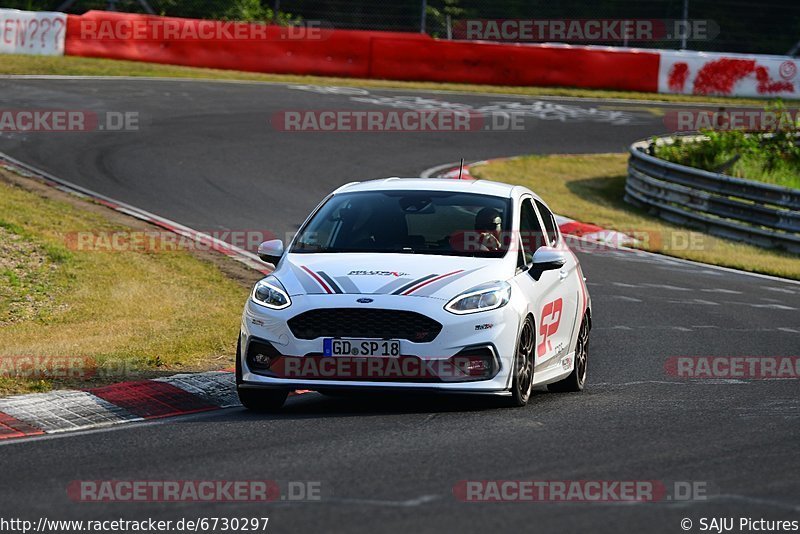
(79, 66)
(93, 317)
(590, 188)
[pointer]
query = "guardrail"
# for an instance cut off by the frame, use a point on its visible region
(761, 214)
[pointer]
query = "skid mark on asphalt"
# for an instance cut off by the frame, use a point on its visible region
(782, 408)
(626, 299)
(771, 304)
(536, 109)
(675, 288)
(767, 306)
(787, 407)
(408, 503)
(639, 383)
(780, 329)
(781, 290)
(693, 302)
(667, 287)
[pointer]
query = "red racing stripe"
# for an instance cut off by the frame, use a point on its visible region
(425, 283)
(316, 277)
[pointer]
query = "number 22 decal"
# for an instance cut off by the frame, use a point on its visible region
(551, 317)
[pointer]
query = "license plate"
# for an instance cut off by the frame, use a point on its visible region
(360, 347)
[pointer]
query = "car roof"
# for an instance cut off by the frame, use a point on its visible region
(485, 187)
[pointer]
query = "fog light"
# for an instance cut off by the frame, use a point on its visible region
(261, 355)
(262, 359)
(475, 363)
(478, 367)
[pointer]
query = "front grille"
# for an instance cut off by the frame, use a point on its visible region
(365, 323)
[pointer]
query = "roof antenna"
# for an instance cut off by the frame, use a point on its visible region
(461, 169)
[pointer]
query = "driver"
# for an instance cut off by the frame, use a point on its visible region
(488, 224)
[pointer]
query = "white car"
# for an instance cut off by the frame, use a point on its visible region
(418, 284)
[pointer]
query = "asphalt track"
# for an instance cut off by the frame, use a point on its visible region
(207, 157)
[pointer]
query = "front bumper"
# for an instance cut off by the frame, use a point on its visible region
(496, 329)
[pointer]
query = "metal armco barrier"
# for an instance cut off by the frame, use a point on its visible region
(761, 214)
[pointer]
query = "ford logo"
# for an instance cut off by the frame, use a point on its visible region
(364, 301)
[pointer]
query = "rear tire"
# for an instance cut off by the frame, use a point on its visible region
(522, 383)
(577, 378)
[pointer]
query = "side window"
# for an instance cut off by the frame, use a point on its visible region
(549, 223)
(530, 230)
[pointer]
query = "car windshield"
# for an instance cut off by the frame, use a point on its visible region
(413, 222)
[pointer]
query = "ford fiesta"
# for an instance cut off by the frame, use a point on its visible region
(418, 284)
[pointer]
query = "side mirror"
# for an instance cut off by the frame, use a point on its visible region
(271, 251)
(547, 259)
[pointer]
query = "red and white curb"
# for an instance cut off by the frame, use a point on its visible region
(65, 410)
(585, 231)
(37, 414)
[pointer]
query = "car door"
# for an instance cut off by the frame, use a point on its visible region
(560, 317)
(547, 294)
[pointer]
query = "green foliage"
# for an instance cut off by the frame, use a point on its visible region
(436, 14)
(239, 10)
(771, 156)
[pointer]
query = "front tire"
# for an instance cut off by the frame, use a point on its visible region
(258, 400)
(522, 383)
(262, 400)
(577, 378)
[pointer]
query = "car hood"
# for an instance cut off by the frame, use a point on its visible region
(416, 275)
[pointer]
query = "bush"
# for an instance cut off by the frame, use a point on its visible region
(772, 157)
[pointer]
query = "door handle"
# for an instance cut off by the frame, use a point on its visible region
(562, 274)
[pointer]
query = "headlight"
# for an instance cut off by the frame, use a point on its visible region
(484, 297)
(270, 293)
